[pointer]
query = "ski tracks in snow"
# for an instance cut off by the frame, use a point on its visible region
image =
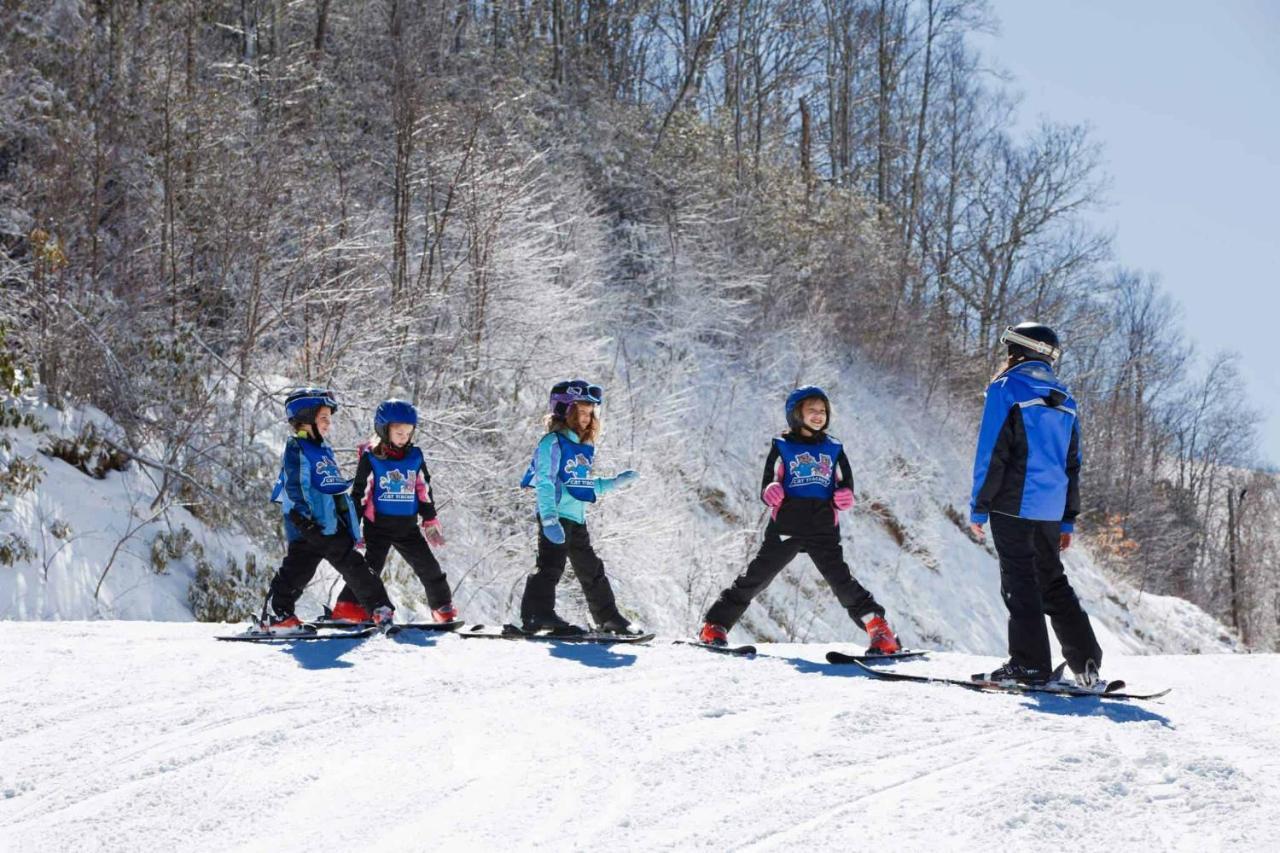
(125, 736)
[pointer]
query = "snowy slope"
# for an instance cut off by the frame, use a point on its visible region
(84, 531)
(671, 542)
(147, 736)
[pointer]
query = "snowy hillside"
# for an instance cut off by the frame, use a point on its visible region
(420, 743)
(671, 542)
(100, 547)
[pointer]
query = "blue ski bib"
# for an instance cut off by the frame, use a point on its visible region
(574, 471)
(395, 483)
(809, 470)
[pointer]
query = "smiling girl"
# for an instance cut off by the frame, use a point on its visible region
(807, 484)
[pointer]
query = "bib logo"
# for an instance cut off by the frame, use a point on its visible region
(806, 470)
(578, 468)
(328, 474)
(395, 486)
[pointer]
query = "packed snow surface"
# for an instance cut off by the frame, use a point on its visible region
(151, 736)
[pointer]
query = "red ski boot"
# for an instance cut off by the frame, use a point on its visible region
(445, 613)
(713, 634)
(349, 611)
(284, 624)
(883, 642)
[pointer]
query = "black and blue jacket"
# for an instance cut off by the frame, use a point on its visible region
(1028, 459)
(311, 485)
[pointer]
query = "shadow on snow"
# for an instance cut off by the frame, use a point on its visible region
(1116, 710)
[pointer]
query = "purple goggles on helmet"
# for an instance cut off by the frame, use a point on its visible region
(565, 394)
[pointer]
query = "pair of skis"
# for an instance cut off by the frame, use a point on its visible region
(576, 635)
(832, 657)
(1056, 685)
(330, 629)
(865, 663)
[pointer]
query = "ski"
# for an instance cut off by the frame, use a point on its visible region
(841, 657)
(309, 634)
(738, 651)
(1113, 690)
(513, 632)
(342, 625)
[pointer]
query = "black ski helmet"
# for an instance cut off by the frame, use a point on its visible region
(798, 396)
(1033, 340)
(565, 394)
(301, 405)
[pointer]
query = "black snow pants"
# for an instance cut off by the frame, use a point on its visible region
(540, 587)
(303, 558)
(775, 553)
(407, 539)
(1034, 585)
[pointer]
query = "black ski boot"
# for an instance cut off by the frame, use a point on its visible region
(617, 625)
(550, 623)
(1015, 673)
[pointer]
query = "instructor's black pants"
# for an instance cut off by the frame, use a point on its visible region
(409, 544)
(823, 548)
(1034, 585)
(540, 587)
(303, 558)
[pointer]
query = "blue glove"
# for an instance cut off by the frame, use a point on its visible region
(626, 477)
(552, 530)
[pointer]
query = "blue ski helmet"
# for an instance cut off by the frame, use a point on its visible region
(798, 396)
(301, 404)
(393, 412)
(565, 394)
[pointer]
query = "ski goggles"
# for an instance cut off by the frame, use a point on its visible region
(1012, 337)
(580, 392)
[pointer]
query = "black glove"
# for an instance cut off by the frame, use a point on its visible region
(303, 523)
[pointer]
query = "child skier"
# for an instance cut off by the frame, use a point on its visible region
(1026, 480)
(392, 490)
(560, 475)
(319, 518)
(807, 484)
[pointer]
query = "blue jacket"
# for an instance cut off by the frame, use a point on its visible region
(305, 468)
(543, 476)
(1028, 459)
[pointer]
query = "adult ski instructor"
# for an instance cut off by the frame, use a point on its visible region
(1026, 481)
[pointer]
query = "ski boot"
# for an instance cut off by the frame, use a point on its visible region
(1014, 673)
(1088, 677)
(445, 613)
(617, 625)
(713, 634)
(550, 623)
(283, 624)
(349, 611)
(384, 617)
(883, 642)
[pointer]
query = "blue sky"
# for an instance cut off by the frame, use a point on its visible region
(1185, 97)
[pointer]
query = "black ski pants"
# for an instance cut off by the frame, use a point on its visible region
(775, 553)
(408, 542)
(1034, 585)
(303, 558)
(540, 587)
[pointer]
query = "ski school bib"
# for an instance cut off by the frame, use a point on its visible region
(395, 483)
(809, 470)
(574, 471)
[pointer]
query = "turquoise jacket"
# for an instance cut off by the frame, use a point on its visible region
(553, 500)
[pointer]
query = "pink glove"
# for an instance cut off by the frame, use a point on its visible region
(433, 533)
(773, 495)
(843, 499)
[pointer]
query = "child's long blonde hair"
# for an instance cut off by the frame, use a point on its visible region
(590, 435)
